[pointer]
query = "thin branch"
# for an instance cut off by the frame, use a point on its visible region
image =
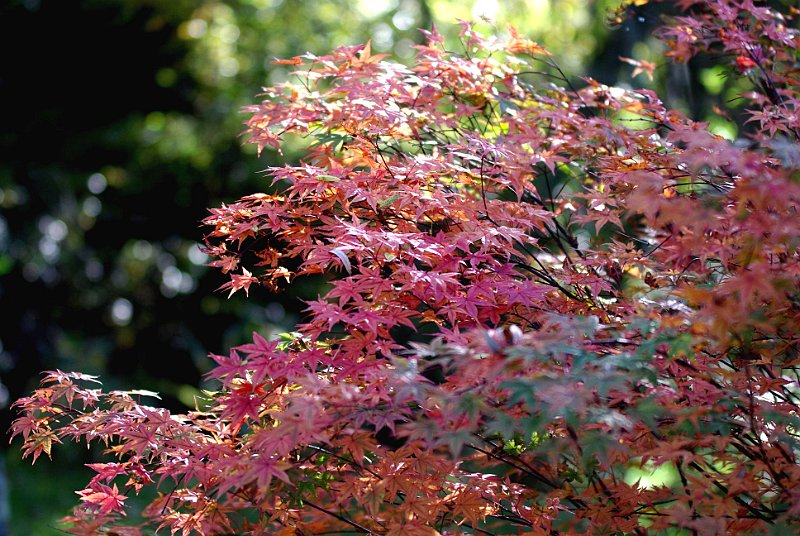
(343, 519)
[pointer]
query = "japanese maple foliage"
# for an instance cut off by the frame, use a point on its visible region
(529, 296)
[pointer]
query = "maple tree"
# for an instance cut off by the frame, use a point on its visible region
(532, 289)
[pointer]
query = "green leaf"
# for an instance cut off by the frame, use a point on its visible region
(501, 424)
(389, 200)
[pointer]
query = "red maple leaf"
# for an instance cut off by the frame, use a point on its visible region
(103, 499)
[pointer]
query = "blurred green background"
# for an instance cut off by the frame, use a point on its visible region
(121, 126)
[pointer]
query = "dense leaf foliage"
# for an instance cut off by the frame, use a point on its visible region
(533, 290)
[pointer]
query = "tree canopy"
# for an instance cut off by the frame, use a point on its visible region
(533, 293)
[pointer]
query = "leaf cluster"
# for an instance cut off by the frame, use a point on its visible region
(529, 298)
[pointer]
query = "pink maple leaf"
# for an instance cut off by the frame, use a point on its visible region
(103, 499)
(240, 282)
